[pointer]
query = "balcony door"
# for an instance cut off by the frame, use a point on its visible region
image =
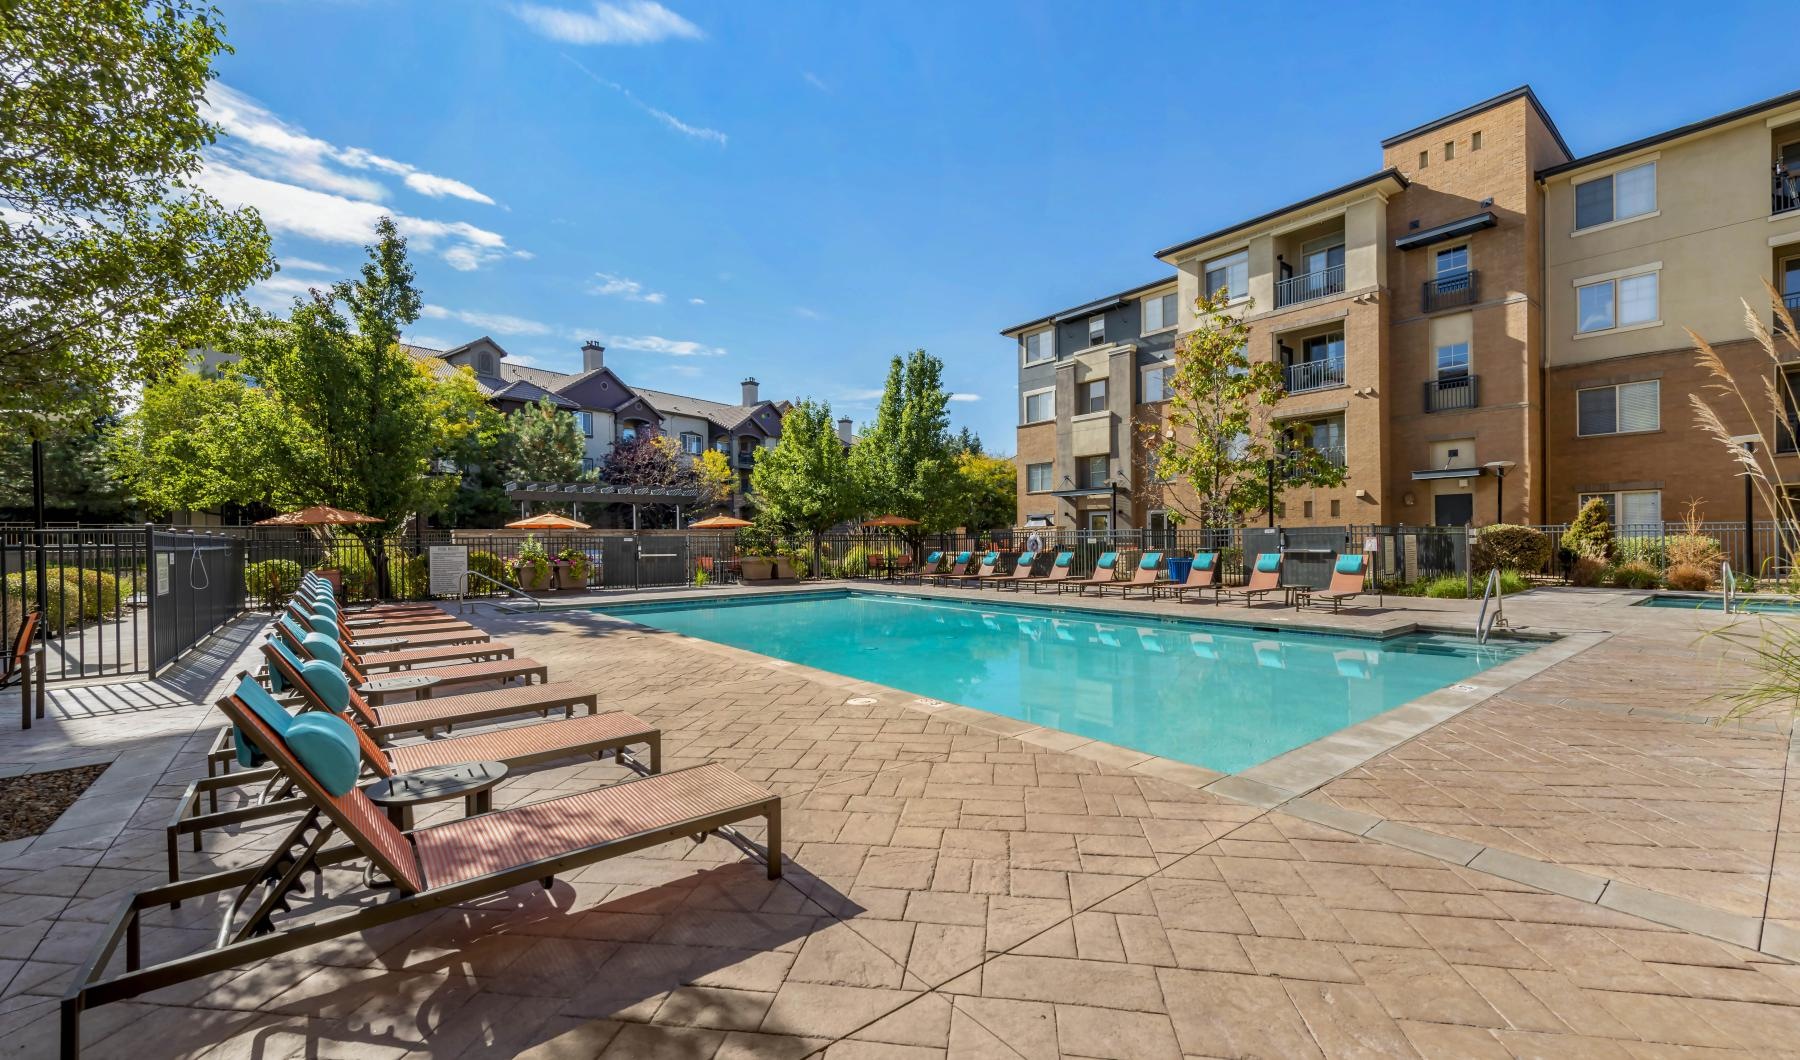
(1318, 255)
(1790, 283)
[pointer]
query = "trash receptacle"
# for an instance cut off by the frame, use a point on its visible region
(1179, 567)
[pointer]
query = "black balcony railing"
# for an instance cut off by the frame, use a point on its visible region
(1450, 290)
(1451, 392)
(1291, 456)
(1309, 285)
(1786, 192)
(1302, 376)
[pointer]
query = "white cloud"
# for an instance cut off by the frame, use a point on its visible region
(503, 323)
(279, 292)
(871, 394)
(306, 265)
(668, 347)
(623, 22)
(816, 81)
(331, 218)
(965, 397)
(696, 301)
(605, 283)
(257, 140)
(430, 342)
(698, 132)
(809, 314)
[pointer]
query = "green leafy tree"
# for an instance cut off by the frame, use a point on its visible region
(545, 444)
(905, 463)
(196, 442)
(1218, 434)
(78, 481)
(967, 441)
(714, 478)
(805, 484)
(1590, 534)
(112, 260)
(988, 491)
(476, 441)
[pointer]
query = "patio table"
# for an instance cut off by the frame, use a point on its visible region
(474, 781)
(377, 691)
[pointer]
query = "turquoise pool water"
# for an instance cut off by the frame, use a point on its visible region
(1215, 695)
(1749, 605)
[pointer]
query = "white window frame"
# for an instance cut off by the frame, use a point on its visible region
(1438, 257)
(1222, 260)
(1617, 505)
(1613, 173)
(1579, 433)
(1161, 394)
(1025, 406)
(698, 447)
(1096, 323)
(1047, 347)
(1049, 477)
(1105, 470)
(1169, 324)
(1084, 389)
(1614, 278)
(587, 423)
(1468, 365)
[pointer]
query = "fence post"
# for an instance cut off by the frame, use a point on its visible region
(150, 594)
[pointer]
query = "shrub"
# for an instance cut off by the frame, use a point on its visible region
(1694, 550)
(489, 565)
(74, 597)
(1588, 572)
(410, 576)
(1511, 548)
(1688, 578)
(272, 580)
(1635, 576)
(1642, 551)
(1591, 533)
(1511, 581)
(1447, 587)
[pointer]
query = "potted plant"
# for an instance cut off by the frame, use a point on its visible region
(533, 566)
(571, 569)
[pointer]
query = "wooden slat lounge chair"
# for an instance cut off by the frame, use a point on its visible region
(958, 568)
(990, 561)
(1021, 572)
(1103, 574)
(932, 563)
(1202, 577)
(432, 632)
(1059, 573)
(1144, 579)
(429, 868)
(1349, 579)
(449, 669)
(1265, 578)
(395, 659)
(26, 667)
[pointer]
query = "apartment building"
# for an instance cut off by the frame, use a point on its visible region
(611, 412)
(1405, 310)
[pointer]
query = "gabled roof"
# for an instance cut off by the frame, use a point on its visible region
(1391, 175)
(1689, 129)
(726, 416)
(1090, 307)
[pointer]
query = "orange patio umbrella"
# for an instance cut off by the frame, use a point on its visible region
(721, 522)
(548, 522)
(891, 520)
(319, 515)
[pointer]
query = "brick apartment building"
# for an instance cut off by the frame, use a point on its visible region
(1440, 321)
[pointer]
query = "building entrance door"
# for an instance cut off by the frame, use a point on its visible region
(1453, 509)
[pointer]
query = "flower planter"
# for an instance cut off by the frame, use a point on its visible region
(534, 577)
(570, 576)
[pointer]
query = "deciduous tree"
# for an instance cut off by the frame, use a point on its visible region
(987, 491)
(905, 463)
(804, 484)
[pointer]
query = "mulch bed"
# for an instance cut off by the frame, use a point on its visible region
(32, 802)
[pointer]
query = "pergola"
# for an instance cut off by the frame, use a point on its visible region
(576, 493)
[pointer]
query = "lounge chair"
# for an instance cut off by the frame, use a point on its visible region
(1348, 580)
(325, 619)
(932, 562)
(1202, 576)
(1059, 573)
(990, 561)
(1144, 579)
(429, 868)
(1021, 571)
(380, 658)
(1265, 578)
(959, 568)
(26, 666)
(1103, 575)
(450, 670)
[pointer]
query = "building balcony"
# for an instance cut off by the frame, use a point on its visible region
(1451, 393)
(1303, 376)
(1785, 194)
(1449, 291)
(1309, 286)
(1330, 454)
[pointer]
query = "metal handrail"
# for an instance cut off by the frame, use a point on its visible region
(1301, 376)
(1726, 585)
(1320, 283)
(462, 597)
(1483, 624)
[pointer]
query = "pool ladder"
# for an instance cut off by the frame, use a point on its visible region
(1485, 625)
(1727, 587)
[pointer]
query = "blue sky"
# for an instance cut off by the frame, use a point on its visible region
(797, 191)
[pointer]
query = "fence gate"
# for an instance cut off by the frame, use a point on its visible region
(195, 585)
(1309, 551)
(644, 560)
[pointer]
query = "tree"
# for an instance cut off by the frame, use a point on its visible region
(988, 491)
(112, 260)
(805, 483)
(1218, 433)
(905, 463)
(195, 442)
(1590, 534)
(968, 441)
(714, 478)
(545, 444)
(78, 483)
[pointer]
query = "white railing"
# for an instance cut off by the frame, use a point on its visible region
(462, 598)
(1483, 624)
(1726, 586)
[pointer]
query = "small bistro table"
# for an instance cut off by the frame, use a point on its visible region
(377, 691)
(474, 781)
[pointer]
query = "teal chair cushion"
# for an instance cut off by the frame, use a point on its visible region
(990, 559)
(1151, 561)
(1063, 559)
(323, 624)
(1205, 560)
(1026, 559)
(962, 557)
(1268, 562)
(328, 683)
(323, 605)
(267, 711)
(1350, 563)
(320, 646)
(934, 559)
(294, 628)
(326, 745)
(1106, 560)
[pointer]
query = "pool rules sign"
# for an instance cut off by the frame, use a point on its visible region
(449, 565)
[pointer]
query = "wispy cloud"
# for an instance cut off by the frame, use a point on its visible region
(696, 301)
(624, 22)
(809, 314)
(698, 132)
(860, 395)
(279, 292)
(965, 397)
(667, 347)
(306, 265)
(816, 81)
(430, 342)
(501, 323)
(606, 283)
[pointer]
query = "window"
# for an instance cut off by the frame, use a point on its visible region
(1232, 273)
(692, 443)
(484, 364)
(1097, 329)
(1090, 396)
(1449, 150)
(1040, 405)
(1037, 478)
(1154, 469)
(1621, 409)
(1474, 145)
(1040, 346)
(1090, 472)
(1424, 159)
(1453, 261)
(1452, 360)
(1616, 197)
(1159, 313)
(1158, 382)
(1618, 303)
(587, 423)
(1629, 508)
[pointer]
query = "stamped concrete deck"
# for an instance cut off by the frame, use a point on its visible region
(963, 885)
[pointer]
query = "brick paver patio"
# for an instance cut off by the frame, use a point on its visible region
(953, 890)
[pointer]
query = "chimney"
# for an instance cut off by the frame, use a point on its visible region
(845, 434)
(593, 356)
(749, 385)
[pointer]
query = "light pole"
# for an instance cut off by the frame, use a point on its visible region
(1748, 443)
(1500, 468)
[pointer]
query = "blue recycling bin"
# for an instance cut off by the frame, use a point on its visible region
(1179, 567)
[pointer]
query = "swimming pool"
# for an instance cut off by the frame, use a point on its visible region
(1755, 605)
(1215, 695)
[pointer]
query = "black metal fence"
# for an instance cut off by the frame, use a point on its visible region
(195, 584)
